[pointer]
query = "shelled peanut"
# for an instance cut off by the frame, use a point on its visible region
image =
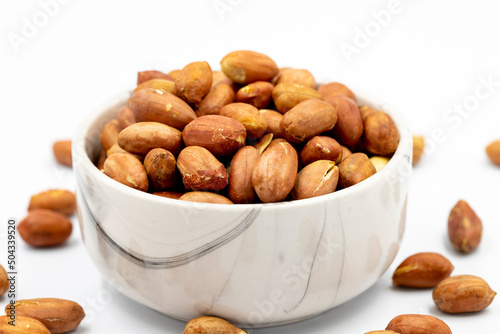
(250, 133)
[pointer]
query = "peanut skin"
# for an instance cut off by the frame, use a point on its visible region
(465, 228)
(274, 174)
(422, 270)
(354, 169)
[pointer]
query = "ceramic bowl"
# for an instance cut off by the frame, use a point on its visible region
(255, 265)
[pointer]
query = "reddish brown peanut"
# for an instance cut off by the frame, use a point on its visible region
(174, 74)
(59, 200)
(128, 170)
(218, 77)
(240, 175)
(101, 159)
(354, 169)
(365, 111)
(316, 179)
(205, 197)
(125, 117)
(254, 123)
(257, 94)
(156, 105)
(210, 325)
(335, 89)
(117, 149)
(109, 133)
(307, 119)
(418, 148)
(345, 152)
(44, 228)
(274, 174)
(349, 127)
(273, 119)
(422, 270)
(218, 97)
(168, 194)
(4, 281)
(298, 76)
(149, 75)
(142, 137)
(465, 228)
(381, 332)
(287, 95)
(160, 84)
(58, 315)
(194, 82)
(22, 325)
(418, 324)
(160, 165)
(220, 135)
(321, 148)
(245, 67)
(62, 152)
(381, 136)
(493, 152)
(200, 170)
(463, 293)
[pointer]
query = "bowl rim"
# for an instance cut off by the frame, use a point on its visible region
(399, 159)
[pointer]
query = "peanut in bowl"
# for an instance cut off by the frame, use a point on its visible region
(255, 265)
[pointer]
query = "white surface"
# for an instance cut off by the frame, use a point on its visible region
(429, 58)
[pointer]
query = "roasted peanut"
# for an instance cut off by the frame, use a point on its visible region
(463, 293)
(142, 137)
(245, 67)
(287, 95)
(307, 119)
(422, 270)
(156, 105)
(274, 174)
(62, 152)
(240, 175)
(220, 135)
(218, 97)
(200, 170)
(128, 170)
(321, 148)
(59, 200)
(254, 123)
(317, 178)
(160, 166)
(44, 228)
(257, 94)
(465, 228)
(194, 82)
(354, 169)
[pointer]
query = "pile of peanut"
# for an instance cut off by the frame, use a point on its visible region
(251, 133)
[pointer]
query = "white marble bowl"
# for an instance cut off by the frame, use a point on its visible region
(255, 265)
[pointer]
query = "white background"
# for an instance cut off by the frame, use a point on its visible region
(429, 57)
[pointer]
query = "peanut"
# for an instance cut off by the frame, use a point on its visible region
(44, 228)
